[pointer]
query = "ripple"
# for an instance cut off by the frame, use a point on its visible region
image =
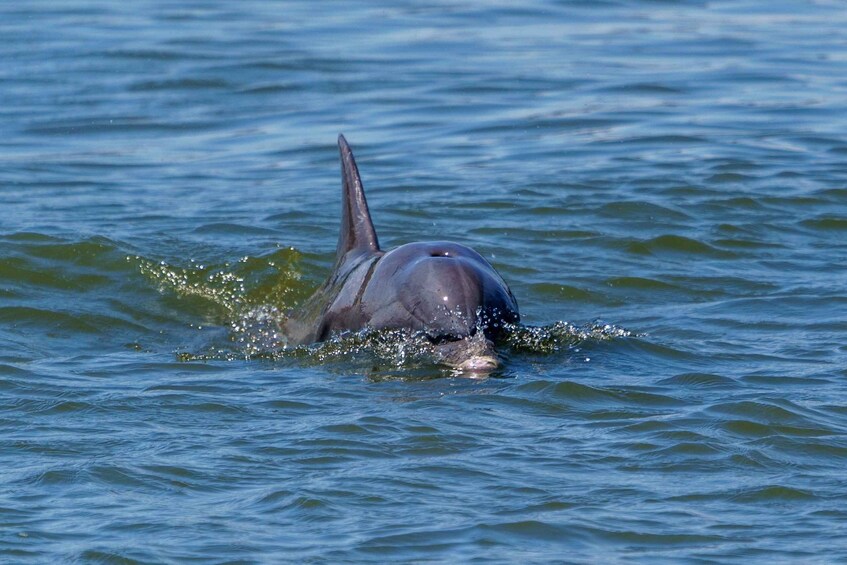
(640, 283)
(117, 125)
(180, 84)
(641, 211)
(100, 556)
(144, 54)
(645, 88)
(741, 243)
(581, 395)
(722, 178)
(700, 380)
(759, 411)
(774, 493)
(663, 140)
(24, 316)
(677, 244)
(826, 223)
(755, 429)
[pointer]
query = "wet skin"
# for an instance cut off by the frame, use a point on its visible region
(446, 290)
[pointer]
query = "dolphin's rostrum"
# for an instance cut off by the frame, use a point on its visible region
(446, 290)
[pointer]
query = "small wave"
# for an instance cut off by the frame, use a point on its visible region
(700, 380)
(233, 288)
(639, 210)
(676, 244)
(773, 493)
(180, 84)
(826, 223)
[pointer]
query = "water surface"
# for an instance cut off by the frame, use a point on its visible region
(661, 183)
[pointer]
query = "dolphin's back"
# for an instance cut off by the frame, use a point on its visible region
(445, 289)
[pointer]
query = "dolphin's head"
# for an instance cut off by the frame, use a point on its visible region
(446, 290)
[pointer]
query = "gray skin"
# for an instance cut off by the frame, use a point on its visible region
(445, 290)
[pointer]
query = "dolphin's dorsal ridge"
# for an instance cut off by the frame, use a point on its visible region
(444, 292)
(357, 229)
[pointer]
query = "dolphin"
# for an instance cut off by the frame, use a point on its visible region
(444, 290)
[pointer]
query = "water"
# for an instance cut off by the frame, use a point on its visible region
(661, 183)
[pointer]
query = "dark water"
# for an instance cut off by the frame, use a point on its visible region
(170, 184)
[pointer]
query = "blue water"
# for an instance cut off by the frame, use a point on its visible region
(661, 183)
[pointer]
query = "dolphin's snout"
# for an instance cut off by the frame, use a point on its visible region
(479, 364)
(474, 354)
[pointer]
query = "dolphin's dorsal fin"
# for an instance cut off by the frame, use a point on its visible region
(357, 229)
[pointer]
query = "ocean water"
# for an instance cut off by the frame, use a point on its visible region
(662, 183)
